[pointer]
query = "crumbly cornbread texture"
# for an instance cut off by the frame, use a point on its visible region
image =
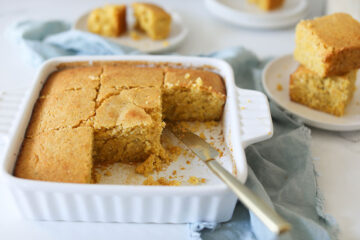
(190, 95)
(268, 5)
(109, 113)
(152, 19)
(329, 45)
(109, 20)
(329, 94)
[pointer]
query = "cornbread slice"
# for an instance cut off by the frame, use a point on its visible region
(128, 126)
(329, 94)
(190, 95)
(61, 156)
(268, 5)
(329, 45)
(68, 109)
(152, 19)
(109, 20)
(72, 79)
(115, 78)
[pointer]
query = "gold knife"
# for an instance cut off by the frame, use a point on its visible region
(208, 154)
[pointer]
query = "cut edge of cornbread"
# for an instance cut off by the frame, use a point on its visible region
(109, 20)
(190, 95)
(152, 19)
(329, 45)
(329, 94)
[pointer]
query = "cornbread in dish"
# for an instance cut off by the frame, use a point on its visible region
(120, 107)
(328, 94)
(152, 19)
(328, 45)
(268, 5)
(190, 95)
(109, 20)
(63, 155)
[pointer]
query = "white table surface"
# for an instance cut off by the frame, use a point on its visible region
(337, 160)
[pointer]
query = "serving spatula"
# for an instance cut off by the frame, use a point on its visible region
(208, 155)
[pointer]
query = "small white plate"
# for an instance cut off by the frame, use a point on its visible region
(244, 14)
(145, 44)
(278, 72)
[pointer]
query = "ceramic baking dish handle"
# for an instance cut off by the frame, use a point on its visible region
(255, 118)
(10, 102)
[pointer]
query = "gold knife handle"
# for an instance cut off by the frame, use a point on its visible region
(266, 214)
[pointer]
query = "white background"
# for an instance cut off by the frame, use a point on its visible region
(337, 160)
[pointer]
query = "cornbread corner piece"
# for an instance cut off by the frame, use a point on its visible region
(128, 126)
(109, 20)
(72, 79)
(329, 94)
(152, 19)
(61, 156)
(63, 110)
(268, 5)
(329, 45)
(190, 95)
(116, 78)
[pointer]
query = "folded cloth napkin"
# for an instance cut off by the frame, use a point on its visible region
(281, 169)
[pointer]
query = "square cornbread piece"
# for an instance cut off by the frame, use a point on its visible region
(128, 126)
(329, 94)
(329, 45)
(63, 155)
(152, 19)
(116, 78)
(109, 20)
(268, 5)
(75, 78)
(193, 95)
(68, 109)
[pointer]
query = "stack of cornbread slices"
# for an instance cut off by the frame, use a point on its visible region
(328, 50)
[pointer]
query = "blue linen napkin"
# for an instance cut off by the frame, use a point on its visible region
(281, 169)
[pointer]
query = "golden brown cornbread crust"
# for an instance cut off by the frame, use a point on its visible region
(118, 109)
(329, 94)
(328, 45)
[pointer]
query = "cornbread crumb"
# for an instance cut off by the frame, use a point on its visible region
(202, 135)
(152, 163)
(135, 36)
(165, 43)
(187, 75)
(242, 108)
(329, 94)
(161, 181)
(195, 180)
(279, 87)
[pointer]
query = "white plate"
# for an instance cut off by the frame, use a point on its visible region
(278, 72)
(245, 14)
(145, 44)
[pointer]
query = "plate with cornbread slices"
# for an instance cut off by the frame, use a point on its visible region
(263, 14)
(146, 27)
(90, 143)
(319, 82)
(276, 82)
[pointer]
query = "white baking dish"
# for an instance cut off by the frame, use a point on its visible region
(246, 120)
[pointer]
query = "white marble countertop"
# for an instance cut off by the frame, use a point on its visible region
(337, 160)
